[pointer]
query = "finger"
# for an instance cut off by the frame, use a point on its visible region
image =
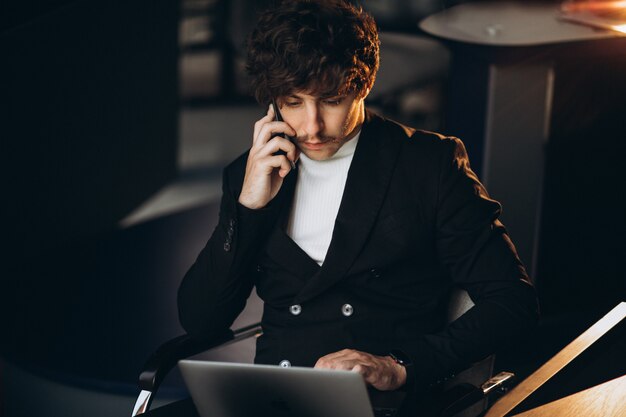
(269, 116)
(278, 144)
(371, 375)
(326, 362)
(270, 130)
(285, 165)
(321, 363)
(339, 365)
(346, 364)
(328, 359)
(350, 354)
(359, 369)
(341, 353)
(273, 129)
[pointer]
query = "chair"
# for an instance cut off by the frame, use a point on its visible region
(460, 397)
(464, 381)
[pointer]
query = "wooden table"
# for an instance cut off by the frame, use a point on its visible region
(604, 400)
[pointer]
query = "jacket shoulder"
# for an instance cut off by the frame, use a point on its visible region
(412, 137)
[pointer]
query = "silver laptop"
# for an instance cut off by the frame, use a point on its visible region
(221, 389)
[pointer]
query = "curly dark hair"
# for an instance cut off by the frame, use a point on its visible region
(322, 47)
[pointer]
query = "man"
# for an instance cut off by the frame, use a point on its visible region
(354, 232)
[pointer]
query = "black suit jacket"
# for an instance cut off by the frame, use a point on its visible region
(414, 221)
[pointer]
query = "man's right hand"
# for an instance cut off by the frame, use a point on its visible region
(265, 171)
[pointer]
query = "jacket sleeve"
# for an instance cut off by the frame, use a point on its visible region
(215, 289)
(475, 249)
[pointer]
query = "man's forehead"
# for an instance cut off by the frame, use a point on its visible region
(314, 95)
(318, 89)
(306, 94)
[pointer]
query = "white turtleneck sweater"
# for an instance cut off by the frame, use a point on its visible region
(319, 189)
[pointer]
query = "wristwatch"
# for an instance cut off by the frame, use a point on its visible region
(403, 359)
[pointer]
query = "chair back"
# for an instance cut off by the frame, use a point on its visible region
(460, 302)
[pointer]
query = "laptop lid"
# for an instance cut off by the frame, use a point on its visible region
(221, 389)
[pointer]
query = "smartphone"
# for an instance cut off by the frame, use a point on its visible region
(279, 118)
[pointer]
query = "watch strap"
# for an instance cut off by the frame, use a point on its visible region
(403, 359)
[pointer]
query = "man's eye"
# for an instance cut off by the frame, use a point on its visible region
(292, 103)
(334, 101)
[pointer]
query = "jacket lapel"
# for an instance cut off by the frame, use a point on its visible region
(366, 186)
(279, 246)
(283, 250)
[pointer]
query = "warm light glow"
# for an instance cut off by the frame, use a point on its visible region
(592, 5)
(619, 28)
(603, 14)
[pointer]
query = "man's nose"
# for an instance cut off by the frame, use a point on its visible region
(314, 124)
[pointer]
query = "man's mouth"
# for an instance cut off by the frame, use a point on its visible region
(316, 145)
(313, 146)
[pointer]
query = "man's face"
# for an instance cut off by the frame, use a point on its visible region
(322, 124)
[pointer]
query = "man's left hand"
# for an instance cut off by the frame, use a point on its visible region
(381, 372)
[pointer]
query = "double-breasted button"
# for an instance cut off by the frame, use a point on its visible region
(295, 309)
(226, 246)
(347, 310)
(374, 272)
(284, 363)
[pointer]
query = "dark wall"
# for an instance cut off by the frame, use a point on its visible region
(583, 220)
(89, 113)
(583, 233)
(16, 13)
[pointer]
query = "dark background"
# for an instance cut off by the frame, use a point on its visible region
(91, 95)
